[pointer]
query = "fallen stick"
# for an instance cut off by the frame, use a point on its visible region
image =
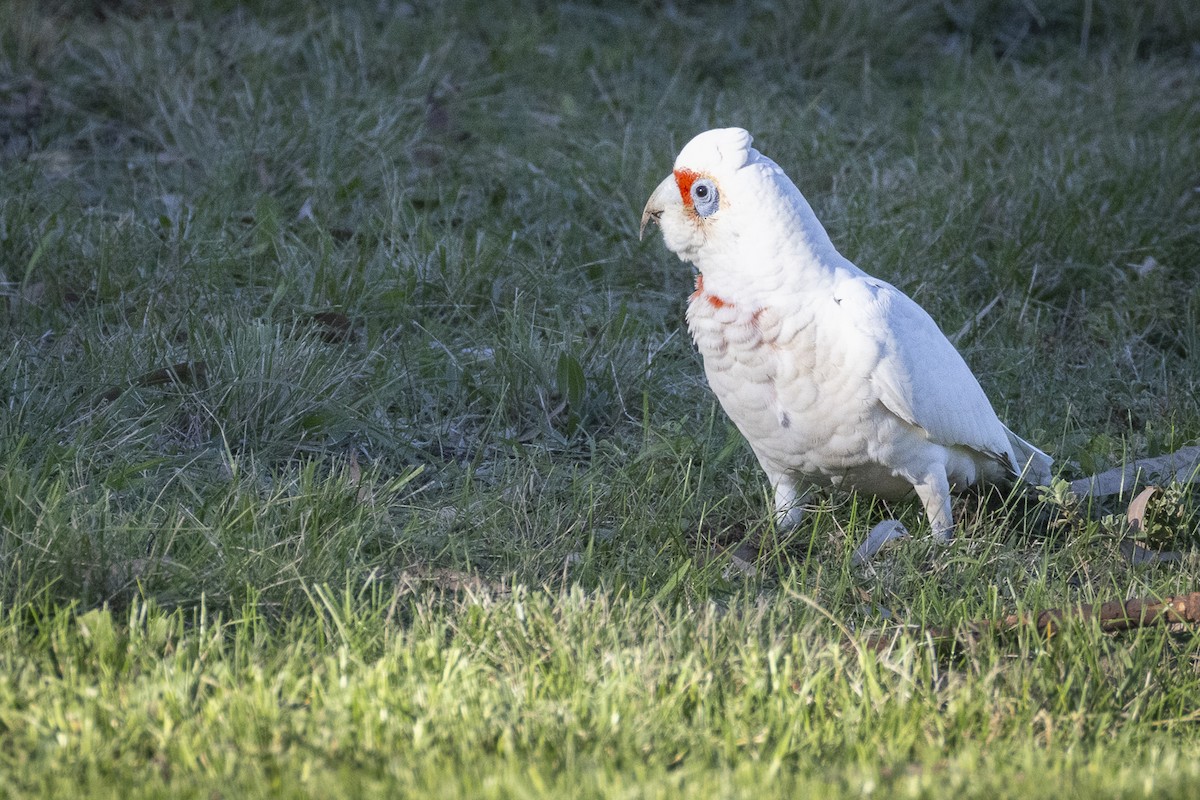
(1113, 616)
(1182, 466)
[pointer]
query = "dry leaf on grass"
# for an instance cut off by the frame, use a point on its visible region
(185, 373)
(1156, 517)
(334, 327)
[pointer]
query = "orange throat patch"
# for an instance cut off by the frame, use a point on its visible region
(711, 299)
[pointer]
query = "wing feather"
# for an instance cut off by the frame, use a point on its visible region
(920, 376)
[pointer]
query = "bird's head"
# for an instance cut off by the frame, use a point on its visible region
(691, 202)
(735, 215)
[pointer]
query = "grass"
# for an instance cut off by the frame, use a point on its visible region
(576, 693)
(350, 440)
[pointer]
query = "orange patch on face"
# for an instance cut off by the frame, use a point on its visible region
(684, 178)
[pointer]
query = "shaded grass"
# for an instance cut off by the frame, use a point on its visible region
(394, 248)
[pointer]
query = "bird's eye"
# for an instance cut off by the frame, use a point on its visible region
(704, 197)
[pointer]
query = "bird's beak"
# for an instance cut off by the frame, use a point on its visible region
(658, 203)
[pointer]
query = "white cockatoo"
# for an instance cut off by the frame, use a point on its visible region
(834, 377)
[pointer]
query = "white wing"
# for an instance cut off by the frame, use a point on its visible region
(920, 377)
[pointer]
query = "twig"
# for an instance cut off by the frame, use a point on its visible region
(1111, 617)
(975, 320)
(1182, 466)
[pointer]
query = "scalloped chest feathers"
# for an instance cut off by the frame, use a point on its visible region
(799, 392)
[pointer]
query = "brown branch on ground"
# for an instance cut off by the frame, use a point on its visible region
(1114, 616)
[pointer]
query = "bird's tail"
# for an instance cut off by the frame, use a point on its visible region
(1031, 464)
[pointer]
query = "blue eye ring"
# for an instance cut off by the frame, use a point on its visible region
(705, 197)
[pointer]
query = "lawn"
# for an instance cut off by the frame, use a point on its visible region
(352, 443)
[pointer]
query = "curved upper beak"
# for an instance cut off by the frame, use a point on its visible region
(658, 203)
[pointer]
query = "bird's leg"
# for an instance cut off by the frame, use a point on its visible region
(789, 510)
(789, 502)
(934, 491)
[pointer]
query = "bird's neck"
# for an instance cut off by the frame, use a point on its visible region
(759, 276)
(781, 248)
